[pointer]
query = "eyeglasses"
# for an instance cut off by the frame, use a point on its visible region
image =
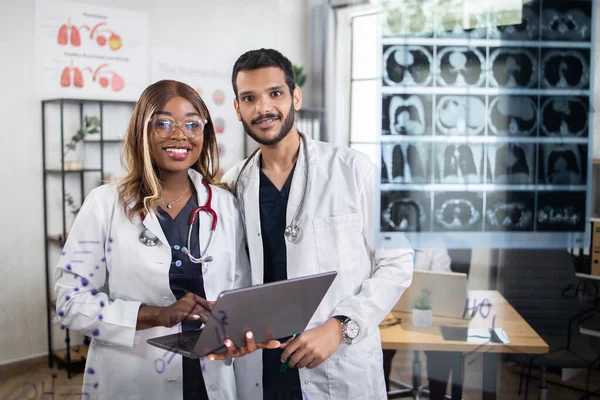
(165, 126)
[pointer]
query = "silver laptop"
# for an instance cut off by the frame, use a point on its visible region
(448, 293)
(271, 311)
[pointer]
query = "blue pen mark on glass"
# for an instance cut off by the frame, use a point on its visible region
(61, 314)
(100, 317)
(67, 298)
(84, 282)
(62, 327)
(97, 267)
(94, 292)
(68, 267)
(64, 253)
(101, 304)
(96, 332)
(159, 363)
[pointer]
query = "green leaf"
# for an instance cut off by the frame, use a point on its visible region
(299, 75)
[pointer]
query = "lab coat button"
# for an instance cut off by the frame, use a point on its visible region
(306, 382)
(258, 234)
(213, 388)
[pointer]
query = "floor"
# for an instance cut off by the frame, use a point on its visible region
(34, 381)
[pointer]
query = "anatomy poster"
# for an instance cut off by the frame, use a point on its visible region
(211, 78)
(485, 135)
(86, 51)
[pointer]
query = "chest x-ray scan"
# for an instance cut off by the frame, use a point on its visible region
(566, 69)
(405, 162)
(407, 115)
(513, 67)
(513, 116)
(564, 116)
(567, 20)
(461, 66)
(486, 126)
(460, 115)
(407, 65)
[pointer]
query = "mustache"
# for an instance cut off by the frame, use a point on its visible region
(260, 119)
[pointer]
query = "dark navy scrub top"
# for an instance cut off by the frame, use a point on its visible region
(184, 277)
(273, 204)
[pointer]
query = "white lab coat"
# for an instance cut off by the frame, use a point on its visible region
(436, 260)
(337, 225)
(104, 248)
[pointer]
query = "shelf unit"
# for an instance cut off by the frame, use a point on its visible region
(72, 358)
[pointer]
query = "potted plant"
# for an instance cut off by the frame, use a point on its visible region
(421, 313)
(299, 75)
(91, 125)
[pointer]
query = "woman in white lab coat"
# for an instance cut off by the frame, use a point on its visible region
(125, 274)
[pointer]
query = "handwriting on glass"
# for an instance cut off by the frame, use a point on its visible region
(486, 305)
(29, 391)
(85, 284)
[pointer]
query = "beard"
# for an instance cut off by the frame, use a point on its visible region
(285, 129)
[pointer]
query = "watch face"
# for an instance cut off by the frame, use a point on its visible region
(351, 329)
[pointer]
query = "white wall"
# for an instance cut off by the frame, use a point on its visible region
(220, 28)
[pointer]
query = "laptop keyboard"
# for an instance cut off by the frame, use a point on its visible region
(185, 342)
(182, 343)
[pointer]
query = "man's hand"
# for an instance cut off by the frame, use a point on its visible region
(313, 346)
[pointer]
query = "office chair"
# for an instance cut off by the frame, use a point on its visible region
(534, 283)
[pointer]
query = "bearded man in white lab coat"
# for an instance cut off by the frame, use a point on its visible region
(327, 192)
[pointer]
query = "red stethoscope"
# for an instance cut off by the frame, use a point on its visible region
(149, 239)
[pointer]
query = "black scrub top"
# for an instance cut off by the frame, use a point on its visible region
(184, 277)
(273, 205)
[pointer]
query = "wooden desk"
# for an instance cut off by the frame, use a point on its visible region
(523, 339)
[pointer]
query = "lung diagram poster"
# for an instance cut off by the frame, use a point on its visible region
(90, 52)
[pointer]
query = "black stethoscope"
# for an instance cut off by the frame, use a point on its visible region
(149, 239)
(292, 231)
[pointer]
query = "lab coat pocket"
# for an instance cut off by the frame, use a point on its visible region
(339, 241)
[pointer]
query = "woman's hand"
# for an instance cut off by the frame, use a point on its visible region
(251, 346)
(190, 306)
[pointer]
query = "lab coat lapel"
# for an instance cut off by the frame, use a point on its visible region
(299, 183)
(152, 224)
(249, 192)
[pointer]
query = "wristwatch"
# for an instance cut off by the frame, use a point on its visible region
(350, 329)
